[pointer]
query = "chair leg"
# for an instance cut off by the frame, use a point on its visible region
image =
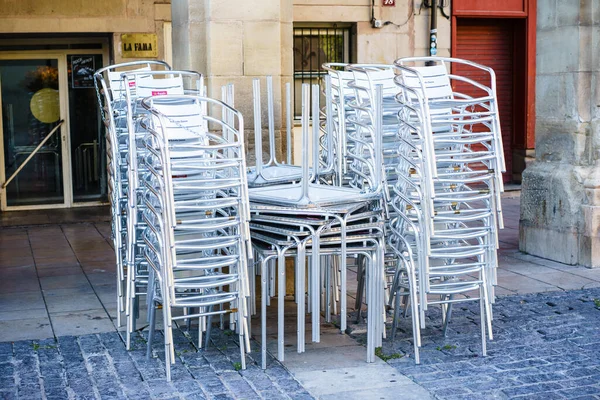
(208, 328)
(129, 314)
(396, 314)
(243, 328)
(280, 307)
(168, 358)
(301, 296)
(359, 278)
(136, 309)
(152, 328)
(447, 316)
(263, 312)
(201, 321)
(482, 319)
(328, 281)
(361, 288)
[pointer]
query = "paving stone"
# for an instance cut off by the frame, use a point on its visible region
(546, 346)
(542, 396)
(6, 370)
(160, 388)
(581, 391)
(272, 394)
(8, 395)
(88, 366)
(195, 396)
(187, 386)
(448, 392)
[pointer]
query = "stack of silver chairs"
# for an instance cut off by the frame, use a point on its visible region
(123, 87)
(112, 102)
(139, 85)
(196, 212)
(326, 222)
(446, 208)
(349, 84)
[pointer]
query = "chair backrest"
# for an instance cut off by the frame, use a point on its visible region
(116, 84)
(139, 85)
(367, 76)
(182, 117)
(149, 85)
(435, 79)
(111, 76)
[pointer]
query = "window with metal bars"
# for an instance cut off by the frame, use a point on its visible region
(314, 46)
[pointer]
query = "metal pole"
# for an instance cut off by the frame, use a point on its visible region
(257, 126)
(433, 29)
(288, 105)
(271, 120)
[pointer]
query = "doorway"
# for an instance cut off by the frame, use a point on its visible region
(52, 147)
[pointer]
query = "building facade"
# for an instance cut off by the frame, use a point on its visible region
(49, 49)
(289, 40)
(48, 53)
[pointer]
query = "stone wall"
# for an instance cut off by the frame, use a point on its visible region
(560, 201)
(408, 35)
(235, 42)
(83, 16)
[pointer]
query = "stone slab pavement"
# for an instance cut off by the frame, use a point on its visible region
(57, 294)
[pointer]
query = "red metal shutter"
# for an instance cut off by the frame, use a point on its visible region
(490, 42)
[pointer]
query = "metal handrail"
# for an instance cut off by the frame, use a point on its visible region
(30, 156)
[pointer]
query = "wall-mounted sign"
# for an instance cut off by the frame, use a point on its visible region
(139, 45)
(82, 71)
(389, 3)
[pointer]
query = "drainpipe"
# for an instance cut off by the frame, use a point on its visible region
(433, 30)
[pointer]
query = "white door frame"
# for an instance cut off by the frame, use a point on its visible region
(63, 90)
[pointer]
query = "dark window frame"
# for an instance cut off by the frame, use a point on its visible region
(314, 45)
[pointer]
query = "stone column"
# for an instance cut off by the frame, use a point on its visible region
(235, 42)
(560, 199)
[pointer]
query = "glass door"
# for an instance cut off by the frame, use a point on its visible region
(42, 165)
(30, 98)
(87, 144)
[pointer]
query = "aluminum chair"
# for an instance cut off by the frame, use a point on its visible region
(445, 216)
(197, 236)
(461, 122)
(111, 100)
(139, 85)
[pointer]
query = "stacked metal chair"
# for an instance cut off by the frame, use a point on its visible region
(139, 85)
(356, 84)
(446, 196)
(406, 173)
(113, 108)
(196, 214)
(126, 84)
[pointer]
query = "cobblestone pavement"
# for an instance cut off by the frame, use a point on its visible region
(546, 346)
(97, 366)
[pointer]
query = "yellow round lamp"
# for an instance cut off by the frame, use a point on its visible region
(45, 105)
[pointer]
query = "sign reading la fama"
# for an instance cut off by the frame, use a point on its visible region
(139, 45)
